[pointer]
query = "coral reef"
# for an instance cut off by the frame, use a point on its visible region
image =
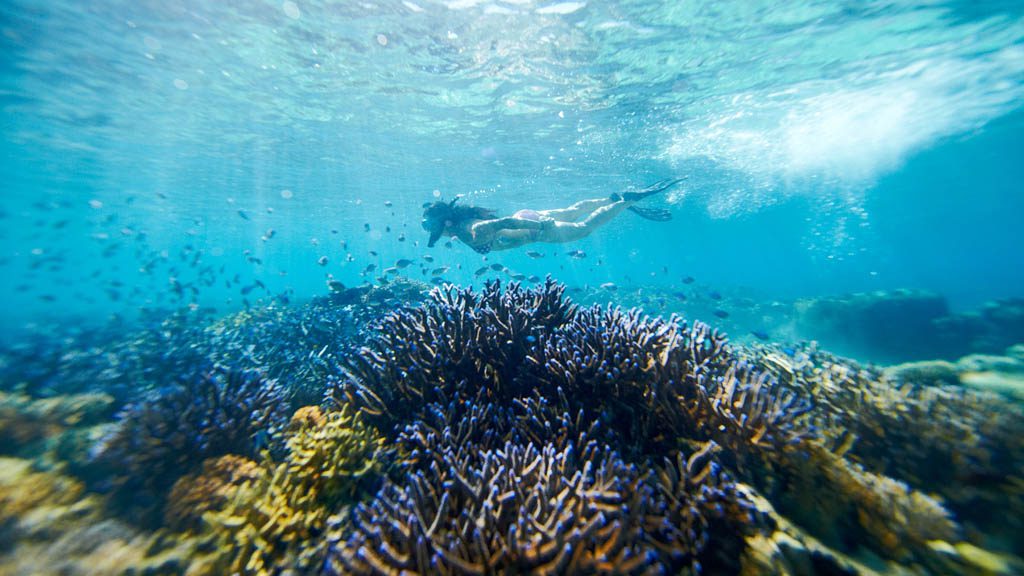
(275, 518)
(171, 434)
(510, 431)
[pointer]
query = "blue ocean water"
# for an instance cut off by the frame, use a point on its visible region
(218, 353)
(830, 147)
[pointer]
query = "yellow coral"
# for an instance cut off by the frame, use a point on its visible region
(276, 519)
(332, 454)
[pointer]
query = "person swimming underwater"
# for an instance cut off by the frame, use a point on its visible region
(483, 231)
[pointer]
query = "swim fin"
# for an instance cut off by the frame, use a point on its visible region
(659, 186)
(656, 214)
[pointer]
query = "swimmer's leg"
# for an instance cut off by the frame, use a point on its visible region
(577, 211)
(570, 231)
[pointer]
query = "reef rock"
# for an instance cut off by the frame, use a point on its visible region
(888, 326)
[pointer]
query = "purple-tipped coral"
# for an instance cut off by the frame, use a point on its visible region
(171, 434)
(521, 509)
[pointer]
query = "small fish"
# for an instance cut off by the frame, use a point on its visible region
(534, 254)
(373, 252)
(609, 286)
(268, 234)
(401, 237)
(388, 204)
(243, 214)
(335, 285)
(688, 280)
(428, 258)
(387, 229)
(714, 295)
(322, 261)
(369, 268)
(518, 277)
(402, 262)
(366, 227)
(481, 271)
(577, 254)
(534, 278)
(448, 244)
(439, 271)
(497, 267)
(760, 334)
(721, 313)
(681, 296)
(391, 270)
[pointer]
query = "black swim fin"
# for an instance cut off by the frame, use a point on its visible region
(659, 186)
(656, 214)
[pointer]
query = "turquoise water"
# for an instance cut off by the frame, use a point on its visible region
(220, 352)
(830, 146)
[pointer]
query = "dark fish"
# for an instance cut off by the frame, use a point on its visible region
(401, 237)
(760, 334)
(497, 267)
(243, 214)
(448, 244)
(366, 227)
(402, 262)
(534, 278)
(577, 254)
(721, 313)
(428, 258)
(680, 296)
(534, 254)
(439, 271)
(518, 277)
(373, 252)
(344, 245)
(246, 289)
(481, 271)
(369, 268)
(335, 286)
(688, 280)
(322, 261)
(714, 295)
(387, 228)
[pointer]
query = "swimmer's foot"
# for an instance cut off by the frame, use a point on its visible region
(656, 214)
(660, 186)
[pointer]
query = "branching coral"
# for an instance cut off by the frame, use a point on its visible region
(458, 339)
(521, 509)
(171, 434)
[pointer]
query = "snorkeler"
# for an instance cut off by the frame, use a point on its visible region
(483, 231)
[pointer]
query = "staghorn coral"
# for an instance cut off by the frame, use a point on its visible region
(431, 353)
(171, 434)
(648, 379)
(519, 509)
(277, 518)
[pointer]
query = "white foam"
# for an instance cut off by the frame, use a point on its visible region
(851, 130)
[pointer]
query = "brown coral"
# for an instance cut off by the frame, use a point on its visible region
(209, 490)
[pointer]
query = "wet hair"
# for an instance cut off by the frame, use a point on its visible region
(439, 215)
